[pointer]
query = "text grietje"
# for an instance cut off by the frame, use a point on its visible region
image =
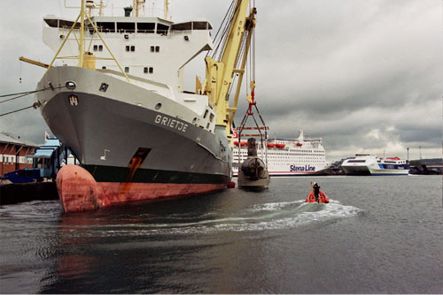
(171, 123)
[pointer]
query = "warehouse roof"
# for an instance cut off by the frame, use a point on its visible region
(9, 138)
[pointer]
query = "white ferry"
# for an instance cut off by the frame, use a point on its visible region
(365, 164)
(286, 157)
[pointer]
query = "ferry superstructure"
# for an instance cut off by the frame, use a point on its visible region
(287, 157)
(365, 164)
(117, 101)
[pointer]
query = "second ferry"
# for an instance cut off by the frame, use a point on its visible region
(365, 164)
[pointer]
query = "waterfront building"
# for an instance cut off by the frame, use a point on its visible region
(15, 153)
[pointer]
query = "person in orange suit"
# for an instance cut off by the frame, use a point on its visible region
(316, 196)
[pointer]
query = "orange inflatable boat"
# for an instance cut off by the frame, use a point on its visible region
(322, 198)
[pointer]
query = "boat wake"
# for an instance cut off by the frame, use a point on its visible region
(260, 217)
(277, 215)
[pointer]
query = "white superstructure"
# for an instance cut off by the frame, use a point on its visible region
(152, 48)
(365, 164)
(152, 51)
(287, 157)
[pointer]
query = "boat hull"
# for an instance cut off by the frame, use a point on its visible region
(152, 153)
(356, 170)
(78, 191)
(382, 172)
(366, 170)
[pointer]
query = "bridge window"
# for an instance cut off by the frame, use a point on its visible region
(188, 26)
(126, 27)
(126, 69)
(162, 29)
(61, 23)
(146, 28)
(106, 27)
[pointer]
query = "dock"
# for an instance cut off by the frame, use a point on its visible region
(15, 193)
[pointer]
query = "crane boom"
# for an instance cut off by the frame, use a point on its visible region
(220, 73)
(33, 62)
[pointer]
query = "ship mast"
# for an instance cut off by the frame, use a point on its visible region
(138, 5)
(81, 41)
(100, 10)
(166, 8)
(232, 60)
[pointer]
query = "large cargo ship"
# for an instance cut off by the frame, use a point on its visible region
(365, 164)
(117, 100)
(287, 157)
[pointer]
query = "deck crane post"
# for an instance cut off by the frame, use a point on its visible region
(232, 61)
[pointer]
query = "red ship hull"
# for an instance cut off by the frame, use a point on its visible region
(78, 191)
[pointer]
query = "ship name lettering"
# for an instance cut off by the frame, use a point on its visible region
(171, 123)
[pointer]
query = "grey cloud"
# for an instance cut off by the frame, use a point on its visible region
(364, 75)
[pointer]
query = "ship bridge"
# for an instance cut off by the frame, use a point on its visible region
(151, 48)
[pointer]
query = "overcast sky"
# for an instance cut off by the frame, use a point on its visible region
(365, 75)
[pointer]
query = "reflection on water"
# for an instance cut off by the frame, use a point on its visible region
(229, 242)
(95, 244)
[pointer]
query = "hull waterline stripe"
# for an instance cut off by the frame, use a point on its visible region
(119, 174)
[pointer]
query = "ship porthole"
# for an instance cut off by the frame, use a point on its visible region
(158, 106)
(70, 85)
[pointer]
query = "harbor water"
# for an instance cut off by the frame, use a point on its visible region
(378, 235)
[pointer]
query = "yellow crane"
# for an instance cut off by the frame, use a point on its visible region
(220, 73)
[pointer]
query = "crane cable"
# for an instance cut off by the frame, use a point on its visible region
(220, 40)
(25, 93)
(13, 98)
(35, 105)
(217, 42)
